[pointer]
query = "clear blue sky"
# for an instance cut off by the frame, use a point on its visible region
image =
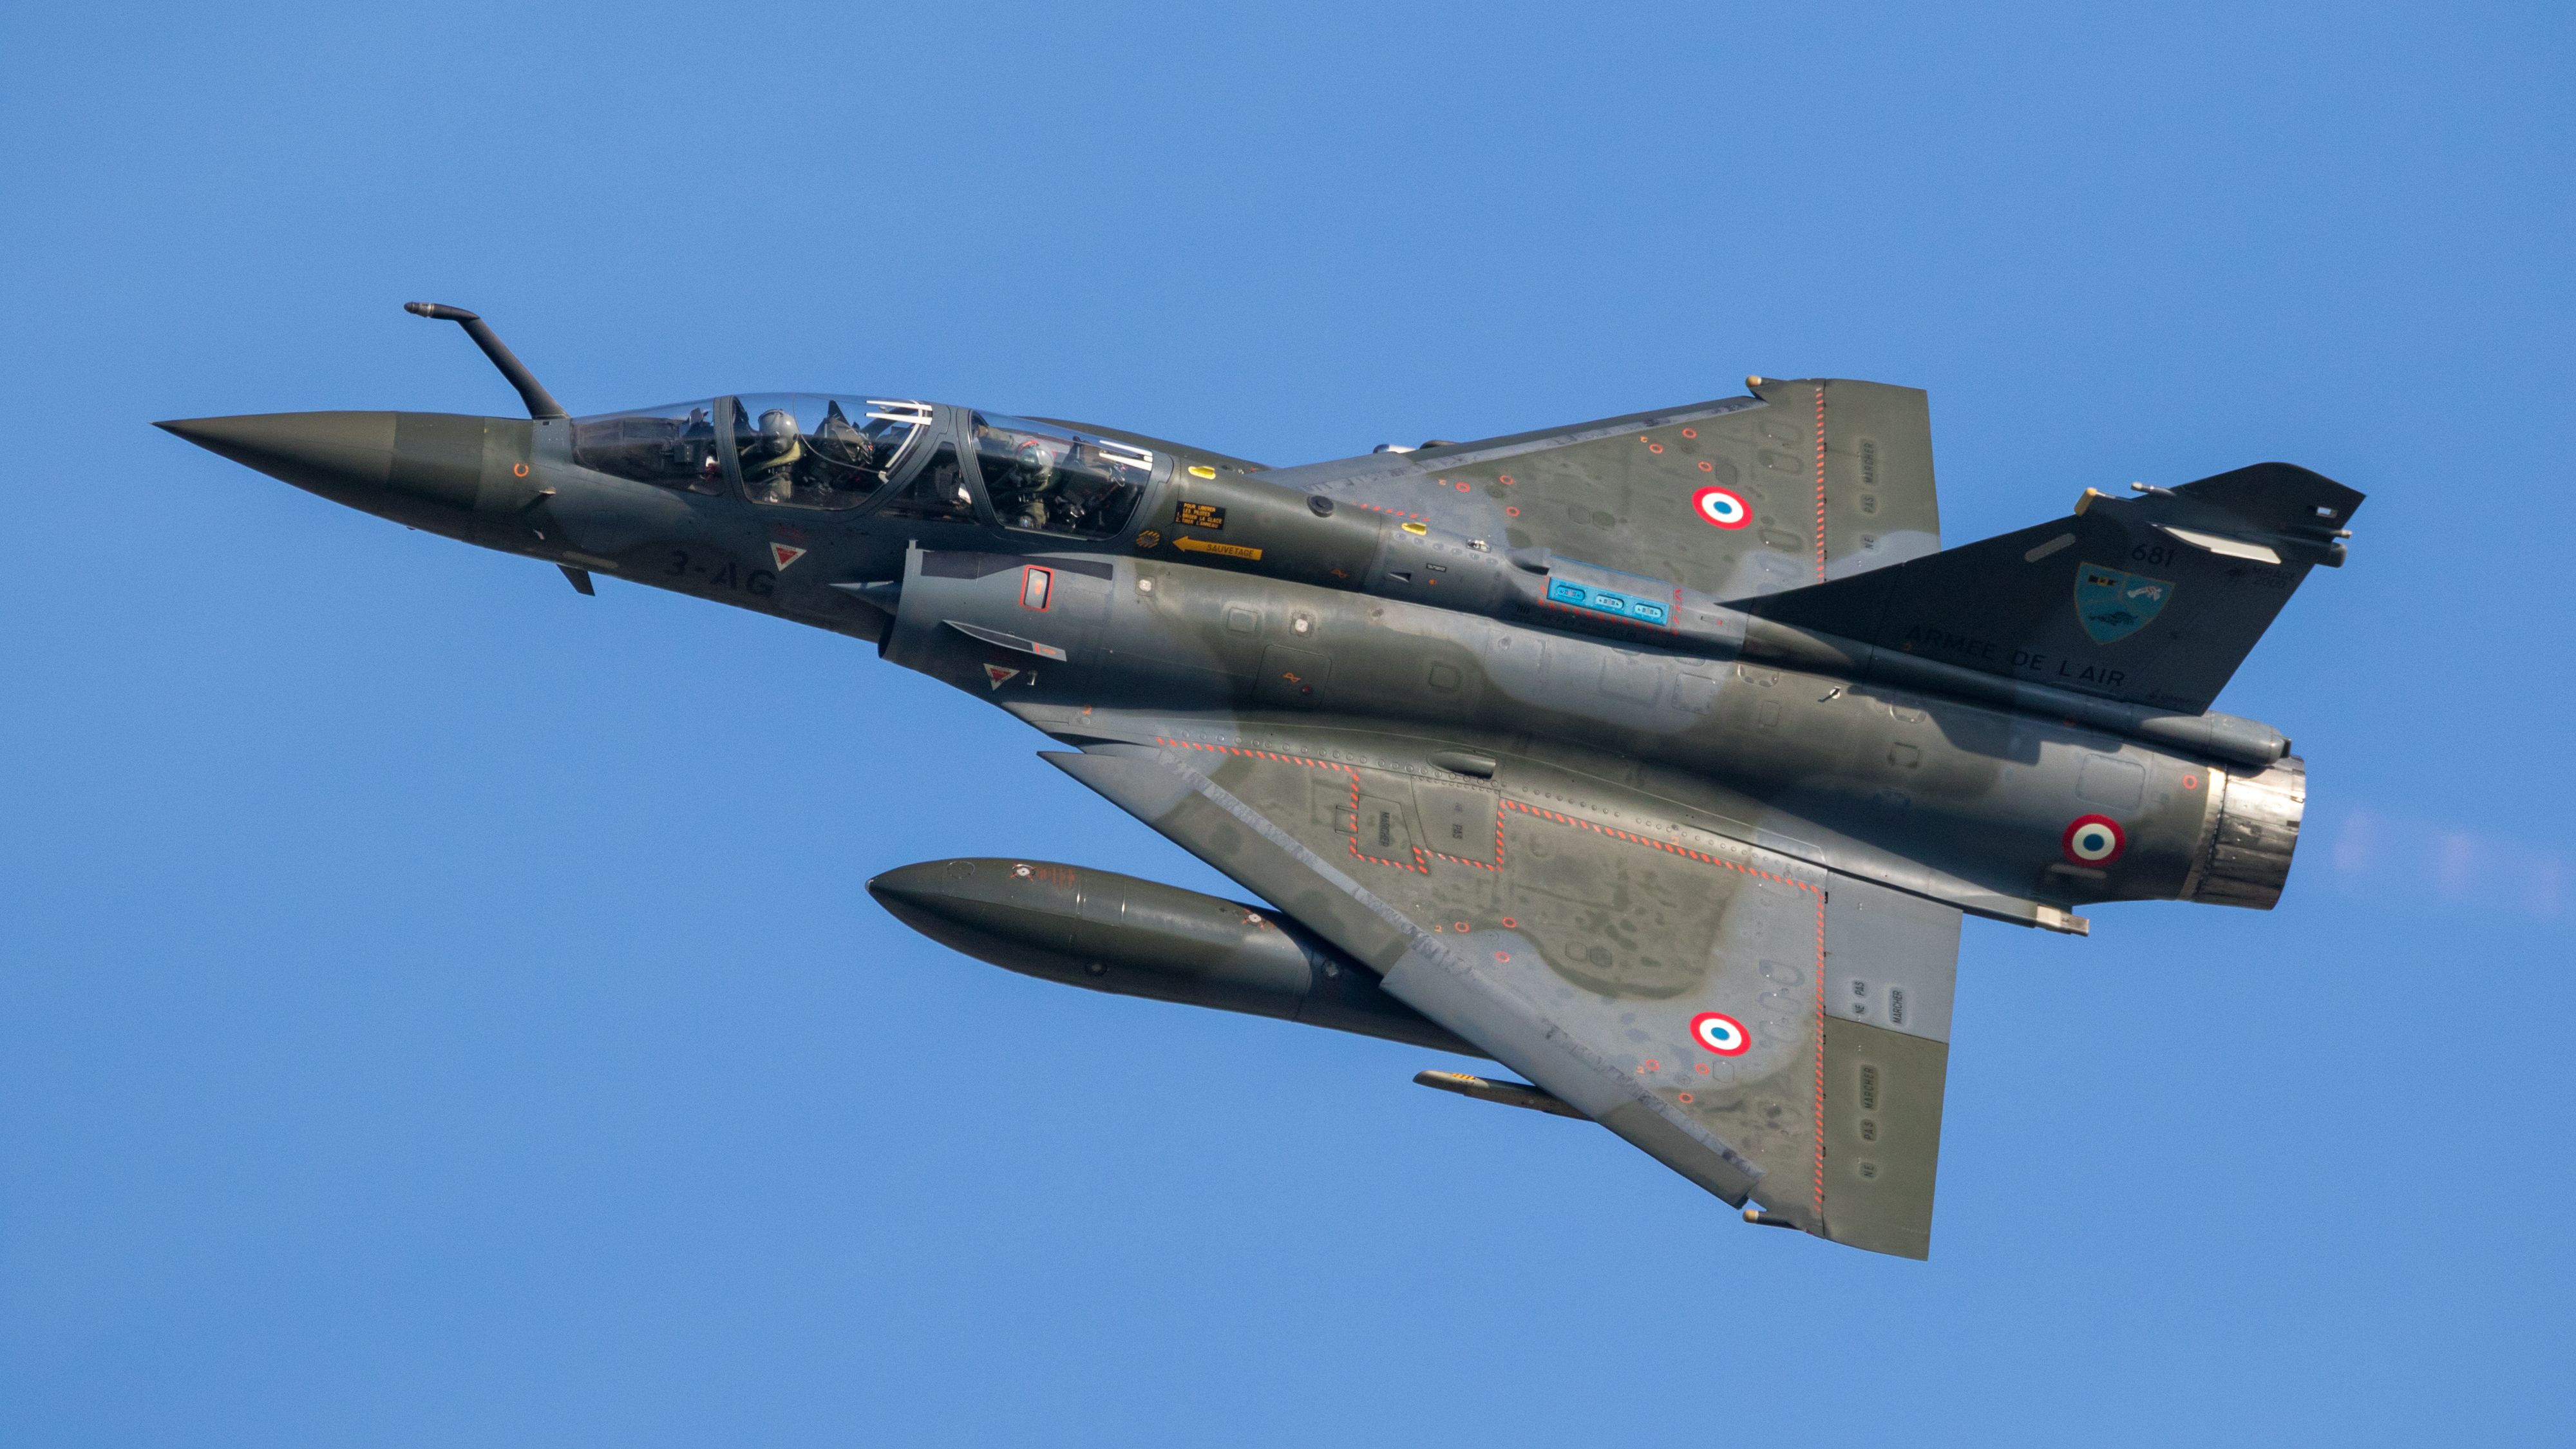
(439, 1009)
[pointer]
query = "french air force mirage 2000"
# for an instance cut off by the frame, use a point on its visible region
(1655, 758)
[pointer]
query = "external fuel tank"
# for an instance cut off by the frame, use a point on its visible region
(1115, 933)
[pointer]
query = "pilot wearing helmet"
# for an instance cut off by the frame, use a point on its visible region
(1021, 472)
(769, 459)
(836, 439)
(841, 459)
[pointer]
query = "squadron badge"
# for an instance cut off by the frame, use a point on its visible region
(2114, 605)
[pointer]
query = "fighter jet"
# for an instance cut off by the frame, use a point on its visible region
(1655, 758)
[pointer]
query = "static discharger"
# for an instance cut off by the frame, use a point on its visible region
(1486, 1089)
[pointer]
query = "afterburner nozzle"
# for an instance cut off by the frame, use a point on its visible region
(2246, 861)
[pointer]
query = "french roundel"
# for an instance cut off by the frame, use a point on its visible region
(2095, 840)
(1720, 1033)
(1721, 507)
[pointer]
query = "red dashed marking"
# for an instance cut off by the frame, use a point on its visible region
(1666, 846)
(1820, 574)
(1382, 508)
(1420, 863)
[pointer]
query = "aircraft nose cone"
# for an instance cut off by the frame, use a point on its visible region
(952, 890)
(915, 886)
(1000, 911)
(1004, 896)
(334, 454)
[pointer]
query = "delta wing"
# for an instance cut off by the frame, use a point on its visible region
(1774, 1032)
(1803, 482)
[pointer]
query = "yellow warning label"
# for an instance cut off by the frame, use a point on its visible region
(1203, 545)
(1199, 515)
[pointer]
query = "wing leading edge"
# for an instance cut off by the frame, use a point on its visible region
(1773, 1032)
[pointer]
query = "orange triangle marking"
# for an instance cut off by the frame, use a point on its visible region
(785, 555)
(999, 675)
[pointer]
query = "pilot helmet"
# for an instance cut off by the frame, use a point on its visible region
(778, 423)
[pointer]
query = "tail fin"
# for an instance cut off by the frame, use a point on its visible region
(2153, 600)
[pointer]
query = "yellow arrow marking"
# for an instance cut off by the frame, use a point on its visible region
(1187, 544)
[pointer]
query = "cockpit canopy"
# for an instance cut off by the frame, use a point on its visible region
(809, 450)
(1056, 480)
(802, 450)
(673, 446)
(821, 452)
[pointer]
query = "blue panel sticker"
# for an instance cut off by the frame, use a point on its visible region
(1605, 602)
